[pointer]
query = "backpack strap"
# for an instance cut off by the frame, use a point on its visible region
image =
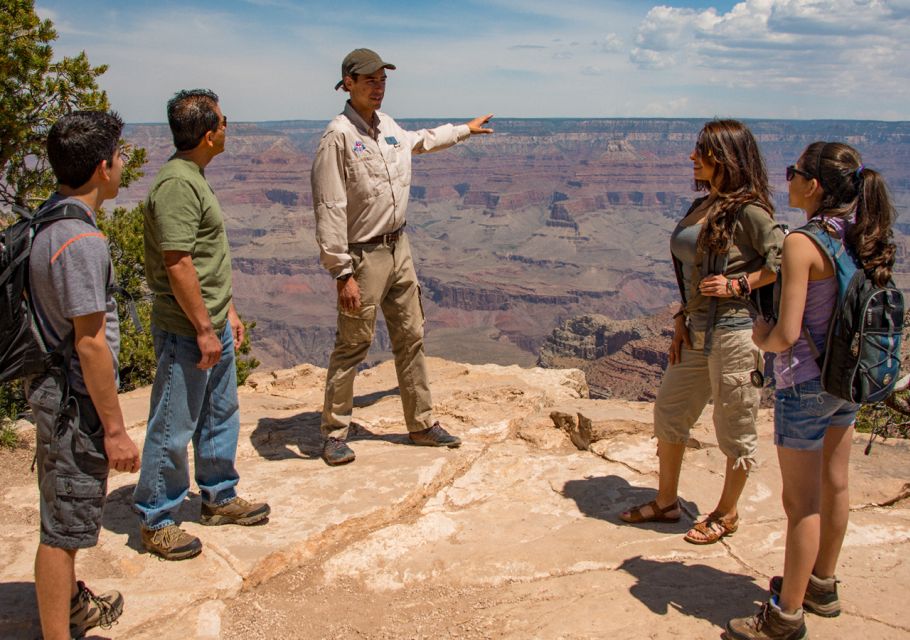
(820, 232)
(54, 213)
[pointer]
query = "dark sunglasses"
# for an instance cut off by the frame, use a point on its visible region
(793, 171)
(702, 150)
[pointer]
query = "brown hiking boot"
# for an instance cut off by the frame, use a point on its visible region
(237, 511)
(171, 542)
(821, 595)
(88, 611)
(435, 436)
(770, 623)
(336, 452)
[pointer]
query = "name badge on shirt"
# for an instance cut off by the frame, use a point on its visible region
(391, 140)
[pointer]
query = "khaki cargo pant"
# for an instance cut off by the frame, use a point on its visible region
(723, 375)
(387, 281)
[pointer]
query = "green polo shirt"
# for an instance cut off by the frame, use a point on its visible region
(183, 214)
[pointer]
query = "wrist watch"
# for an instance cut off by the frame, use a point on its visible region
(345, 277)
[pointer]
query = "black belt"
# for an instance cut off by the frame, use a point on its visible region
(384, 238)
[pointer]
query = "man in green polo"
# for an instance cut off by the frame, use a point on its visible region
(196, 331)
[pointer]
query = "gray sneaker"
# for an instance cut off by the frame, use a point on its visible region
(821, 595)
(770, 623)
(336, 452)
(435, 436)
(88, 611)
(171, 542)
(237, 511)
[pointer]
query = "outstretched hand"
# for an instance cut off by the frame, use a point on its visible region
(477, 124)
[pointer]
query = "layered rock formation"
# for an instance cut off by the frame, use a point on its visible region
(620, 358)
(512, 233)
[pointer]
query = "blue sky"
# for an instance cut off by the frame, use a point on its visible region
(279, 59)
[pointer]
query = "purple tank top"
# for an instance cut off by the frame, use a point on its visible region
(797, 364)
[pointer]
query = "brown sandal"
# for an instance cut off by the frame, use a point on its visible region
(657, 514)
(712, 528)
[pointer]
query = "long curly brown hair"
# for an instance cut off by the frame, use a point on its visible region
(852, 190)
(740, 179)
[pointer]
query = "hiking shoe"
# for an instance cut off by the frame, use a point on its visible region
(770, 623)
(88, 611)
(171, 542)
(237, 511)
(435, 436)
(821, 595)
(336, 452)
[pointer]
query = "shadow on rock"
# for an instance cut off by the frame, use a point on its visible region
(299, 436)
(605, 497)
(696, 590)
(19, 610)
(376, 396)
(291, 437)
(119, 516)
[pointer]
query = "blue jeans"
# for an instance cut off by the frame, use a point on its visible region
(188, 403)
(803, 412)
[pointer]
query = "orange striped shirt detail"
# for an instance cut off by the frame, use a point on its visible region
(94, 234)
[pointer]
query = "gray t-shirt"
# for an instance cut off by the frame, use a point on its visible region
(71, 275)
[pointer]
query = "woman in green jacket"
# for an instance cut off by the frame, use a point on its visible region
(725, 246)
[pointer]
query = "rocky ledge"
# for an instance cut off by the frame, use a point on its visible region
(514, 535)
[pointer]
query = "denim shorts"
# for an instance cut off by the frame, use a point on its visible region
(803, 412)
(72, 465)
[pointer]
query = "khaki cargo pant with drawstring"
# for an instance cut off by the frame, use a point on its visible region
(723, 375)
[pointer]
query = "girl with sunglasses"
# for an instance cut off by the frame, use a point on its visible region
(726, 245)
(813, 429)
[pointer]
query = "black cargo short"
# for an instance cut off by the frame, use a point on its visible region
(72, 465)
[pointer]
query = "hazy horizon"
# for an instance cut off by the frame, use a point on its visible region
(572, 118)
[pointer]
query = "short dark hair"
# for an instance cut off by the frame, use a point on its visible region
(79, 141)
(191, 114)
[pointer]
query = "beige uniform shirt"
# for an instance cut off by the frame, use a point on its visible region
(362, 179)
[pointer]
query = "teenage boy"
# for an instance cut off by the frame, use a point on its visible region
(80, 428)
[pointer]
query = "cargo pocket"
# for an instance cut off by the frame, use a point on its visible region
(79, 503)
(739, 399)
(357, 327)
(736, 434)
(736, 389)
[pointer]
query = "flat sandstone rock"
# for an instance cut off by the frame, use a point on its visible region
(513, 535)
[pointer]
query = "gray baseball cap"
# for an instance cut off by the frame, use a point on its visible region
(363, 61)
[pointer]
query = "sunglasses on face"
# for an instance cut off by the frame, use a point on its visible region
(702, 150)
(792, 171)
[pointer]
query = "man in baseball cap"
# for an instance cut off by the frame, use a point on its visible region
(361, 182)
(361, 62)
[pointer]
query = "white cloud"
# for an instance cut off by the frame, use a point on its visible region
(612, 43)
(578, 58)
(849, 49)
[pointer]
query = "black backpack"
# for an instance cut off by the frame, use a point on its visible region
(861, 360)
(22, 348)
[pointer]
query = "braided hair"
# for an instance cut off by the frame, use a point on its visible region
(855, 192)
